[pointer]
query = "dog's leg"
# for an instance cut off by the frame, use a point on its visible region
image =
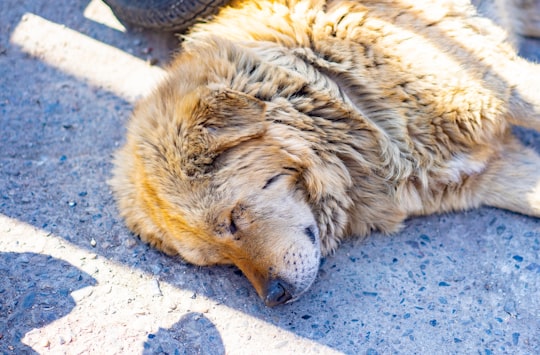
(525, 96)
(523, 16)
(512, 182)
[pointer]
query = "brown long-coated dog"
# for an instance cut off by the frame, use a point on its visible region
(284, 127)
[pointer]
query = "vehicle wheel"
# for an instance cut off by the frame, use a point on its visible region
(165, 15)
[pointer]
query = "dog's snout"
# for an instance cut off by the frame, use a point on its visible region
(277, 293)
(311, 232)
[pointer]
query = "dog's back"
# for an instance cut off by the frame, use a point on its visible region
(437, 84)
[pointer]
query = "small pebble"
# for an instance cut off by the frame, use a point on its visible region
(425, 237)
(29, 300)
(82, 294)
(152, 61)
(510, 307)
(282, 344)
(156, 290)
(515, 338)
(130, 243)
(93, 243)
(242, 292)
(533, 267)
(373, 294)
(414, 244)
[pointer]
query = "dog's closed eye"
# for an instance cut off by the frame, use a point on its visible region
(272, 180)
(237, 216)
(232, 227)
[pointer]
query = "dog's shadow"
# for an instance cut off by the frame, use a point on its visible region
(34, 291)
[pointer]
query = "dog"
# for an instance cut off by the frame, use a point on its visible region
(285, 127)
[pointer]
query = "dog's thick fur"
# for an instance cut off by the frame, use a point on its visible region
(286, 126)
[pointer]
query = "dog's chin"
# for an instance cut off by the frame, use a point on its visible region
(301, 291)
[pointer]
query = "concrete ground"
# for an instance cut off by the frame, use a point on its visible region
(74, 280)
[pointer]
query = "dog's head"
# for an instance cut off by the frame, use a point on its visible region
(201, 177)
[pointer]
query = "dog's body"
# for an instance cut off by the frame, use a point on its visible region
(285, 126)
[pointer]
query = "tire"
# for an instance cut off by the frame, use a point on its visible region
(164, 15)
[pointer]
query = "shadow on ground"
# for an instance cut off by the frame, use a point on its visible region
(35, 291)
(193, 334)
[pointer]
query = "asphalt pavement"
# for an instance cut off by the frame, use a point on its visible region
(73, 279)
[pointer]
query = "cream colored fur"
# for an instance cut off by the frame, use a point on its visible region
(286, 126)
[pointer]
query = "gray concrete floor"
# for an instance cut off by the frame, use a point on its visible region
(74, 280)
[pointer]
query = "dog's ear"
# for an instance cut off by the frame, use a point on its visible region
(225, 118)
(231, 117)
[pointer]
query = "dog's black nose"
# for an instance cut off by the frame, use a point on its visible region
(277, 293)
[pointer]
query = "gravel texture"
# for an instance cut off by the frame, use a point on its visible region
(74, 280)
